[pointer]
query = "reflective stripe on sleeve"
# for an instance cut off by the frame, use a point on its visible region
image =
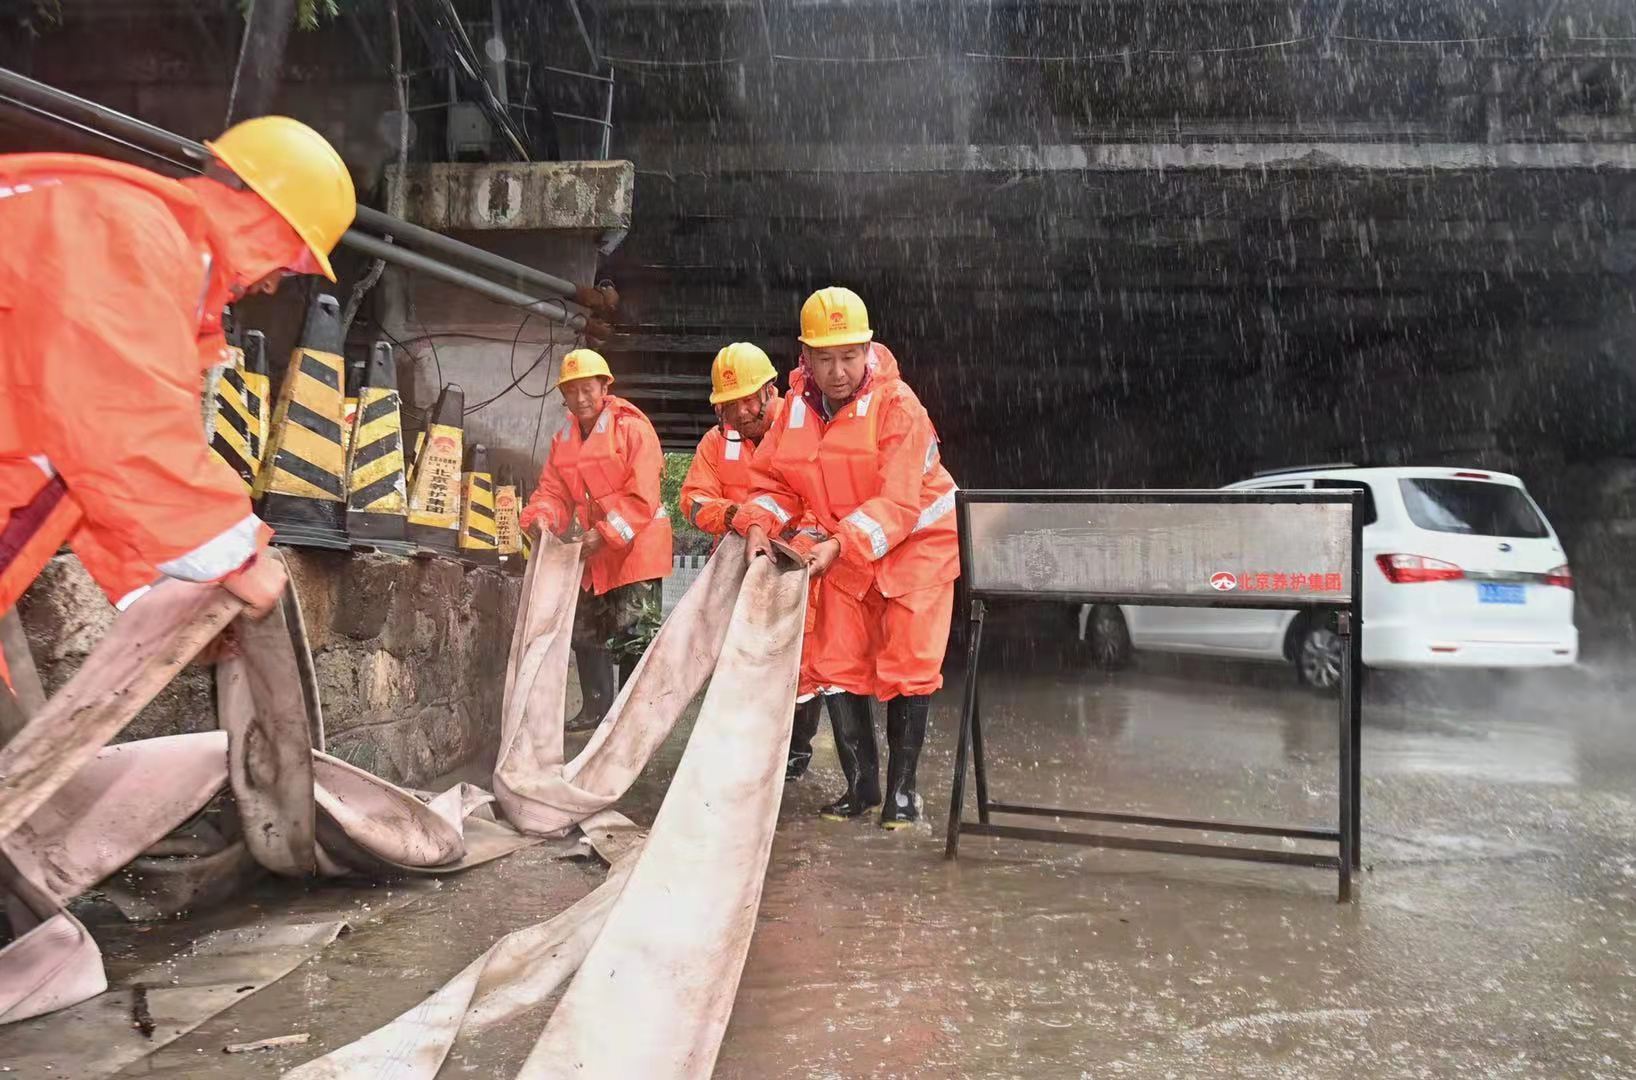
(931, 458)
(872, 529)
(935, 512)
(219, 556)
(798, 413)
(620, 526)
(132, 597)
(770, 504)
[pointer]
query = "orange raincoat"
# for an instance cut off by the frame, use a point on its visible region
(870, 477)
(609, 482)
(719, 478)
(112, 285)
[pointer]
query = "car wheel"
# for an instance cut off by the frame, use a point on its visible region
(1108, 638)
(1320, 654)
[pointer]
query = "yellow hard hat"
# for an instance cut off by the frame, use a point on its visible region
(739, 371)
(834, 316)
(298, 173)
(583, 364)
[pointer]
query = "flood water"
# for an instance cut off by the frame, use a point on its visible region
(1494, 932)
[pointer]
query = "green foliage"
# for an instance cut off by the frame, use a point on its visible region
(308, 13)
(689, 541)
(635, 641)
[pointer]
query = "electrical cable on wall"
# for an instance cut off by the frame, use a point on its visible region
(512, 364)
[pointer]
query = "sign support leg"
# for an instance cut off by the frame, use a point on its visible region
(1348, 721)
(968, 713)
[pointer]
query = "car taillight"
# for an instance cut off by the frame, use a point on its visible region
(1562, 576)
(1416, 569)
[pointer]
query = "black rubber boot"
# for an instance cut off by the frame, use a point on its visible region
(905, 734)
(597, 680)
(860, 762)
(801, 733)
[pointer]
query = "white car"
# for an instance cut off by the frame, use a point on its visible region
(1461, 569)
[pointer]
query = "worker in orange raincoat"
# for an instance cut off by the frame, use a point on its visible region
(602, 478)
(112, 285)
(744, 392)
(855, 449)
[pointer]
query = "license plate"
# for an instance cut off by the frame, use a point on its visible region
(1492, 592)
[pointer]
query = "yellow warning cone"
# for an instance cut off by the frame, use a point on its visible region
(479, 539)
(258, 387)
(434, 490)
(508, 533)
(420, 444)
(301, 488)
(377, 488)
(240, 422)
(349, 403)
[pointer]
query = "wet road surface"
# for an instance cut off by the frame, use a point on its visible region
(1494, 933)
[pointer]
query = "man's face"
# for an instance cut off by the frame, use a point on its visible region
(584, 397)
(265, 286)
(838, 370)
(748, 415)
(269, 283)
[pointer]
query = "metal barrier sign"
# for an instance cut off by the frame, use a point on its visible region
(1245, 549)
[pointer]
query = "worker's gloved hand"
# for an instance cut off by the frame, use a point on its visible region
(590, 544)
(727, 518)
(259, 583)
(823, 556)
(756, 543)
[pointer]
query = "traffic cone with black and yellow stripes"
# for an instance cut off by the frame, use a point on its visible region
(508, 533)
(349, 402)
(301, 488)
(434, 488)
(240, 418)
(377, 484)
(479, 533)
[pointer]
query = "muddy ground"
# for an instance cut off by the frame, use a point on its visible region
(1494, 932)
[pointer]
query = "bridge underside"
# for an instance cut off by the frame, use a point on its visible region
(1139, 243)
(1118, 318)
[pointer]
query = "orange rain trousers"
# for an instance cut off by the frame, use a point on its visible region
(878, 646)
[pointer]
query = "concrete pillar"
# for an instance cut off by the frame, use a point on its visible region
(556, 216)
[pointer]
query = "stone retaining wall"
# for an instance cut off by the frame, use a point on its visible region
(410, 655)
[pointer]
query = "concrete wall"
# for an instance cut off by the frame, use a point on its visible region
(410, 655)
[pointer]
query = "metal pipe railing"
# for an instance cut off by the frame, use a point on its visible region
(39, 99)
(419, 236)
(376, 248)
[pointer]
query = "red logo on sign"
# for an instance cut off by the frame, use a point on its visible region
(1223, 581)
(1317, 582)
(505, 501)
(443, 444)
